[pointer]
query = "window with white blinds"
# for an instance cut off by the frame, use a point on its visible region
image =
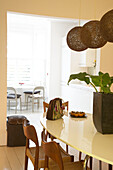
(19, 71)
(27, 50)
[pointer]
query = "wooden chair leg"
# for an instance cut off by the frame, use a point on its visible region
(36, 166)
(51, 137)
(26, 162)
(46, 135)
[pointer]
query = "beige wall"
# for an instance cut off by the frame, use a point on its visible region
(107, 58)
(3, 78)
(86, 9)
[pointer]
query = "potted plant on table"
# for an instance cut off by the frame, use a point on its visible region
(102, 99)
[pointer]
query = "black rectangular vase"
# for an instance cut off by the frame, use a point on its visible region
(103, 112)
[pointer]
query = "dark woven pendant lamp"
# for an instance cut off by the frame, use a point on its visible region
(106, 26)
(74, 39)
(91, 35)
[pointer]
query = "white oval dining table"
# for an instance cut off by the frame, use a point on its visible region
(81, 134)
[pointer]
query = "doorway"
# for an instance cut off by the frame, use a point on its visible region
(34, 52)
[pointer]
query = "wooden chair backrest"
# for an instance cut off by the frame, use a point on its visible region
(30, 133)
(52, 151)
(45, 106)
(66, 104)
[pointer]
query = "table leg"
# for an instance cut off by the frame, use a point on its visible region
(66, 148)
(110, 167)
(100, 165)
(91, 163)
(80, 154)
(85, 162)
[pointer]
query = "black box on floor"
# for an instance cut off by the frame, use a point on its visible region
(15, 133)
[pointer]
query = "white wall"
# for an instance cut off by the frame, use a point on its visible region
(80, 97)
(59, 29)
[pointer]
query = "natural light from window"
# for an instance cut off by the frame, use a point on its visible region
(27, 49)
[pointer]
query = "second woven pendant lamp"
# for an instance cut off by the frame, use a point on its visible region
(74, 39)
(91, 35)
(106, 26)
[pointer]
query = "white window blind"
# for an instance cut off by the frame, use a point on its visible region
(27, 50)
(19, 71)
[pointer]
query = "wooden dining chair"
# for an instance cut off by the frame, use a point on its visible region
(52, 150)
(36, 154)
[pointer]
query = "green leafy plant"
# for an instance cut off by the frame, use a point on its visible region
(102, 80)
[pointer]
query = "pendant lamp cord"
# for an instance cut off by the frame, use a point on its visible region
(95, 49)
(79, 12)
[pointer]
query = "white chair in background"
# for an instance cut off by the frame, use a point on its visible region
(36, 96)
(30, 92)
(13, 96)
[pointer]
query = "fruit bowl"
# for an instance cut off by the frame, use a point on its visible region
(77, 114)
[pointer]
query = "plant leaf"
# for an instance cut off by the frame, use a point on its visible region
(96, 80)
(102, 80)
(106, 80)
(100, 73)
(80, 76)
(105, 89)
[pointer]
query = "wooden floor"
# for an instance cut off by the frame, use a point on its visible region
(12, 158)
